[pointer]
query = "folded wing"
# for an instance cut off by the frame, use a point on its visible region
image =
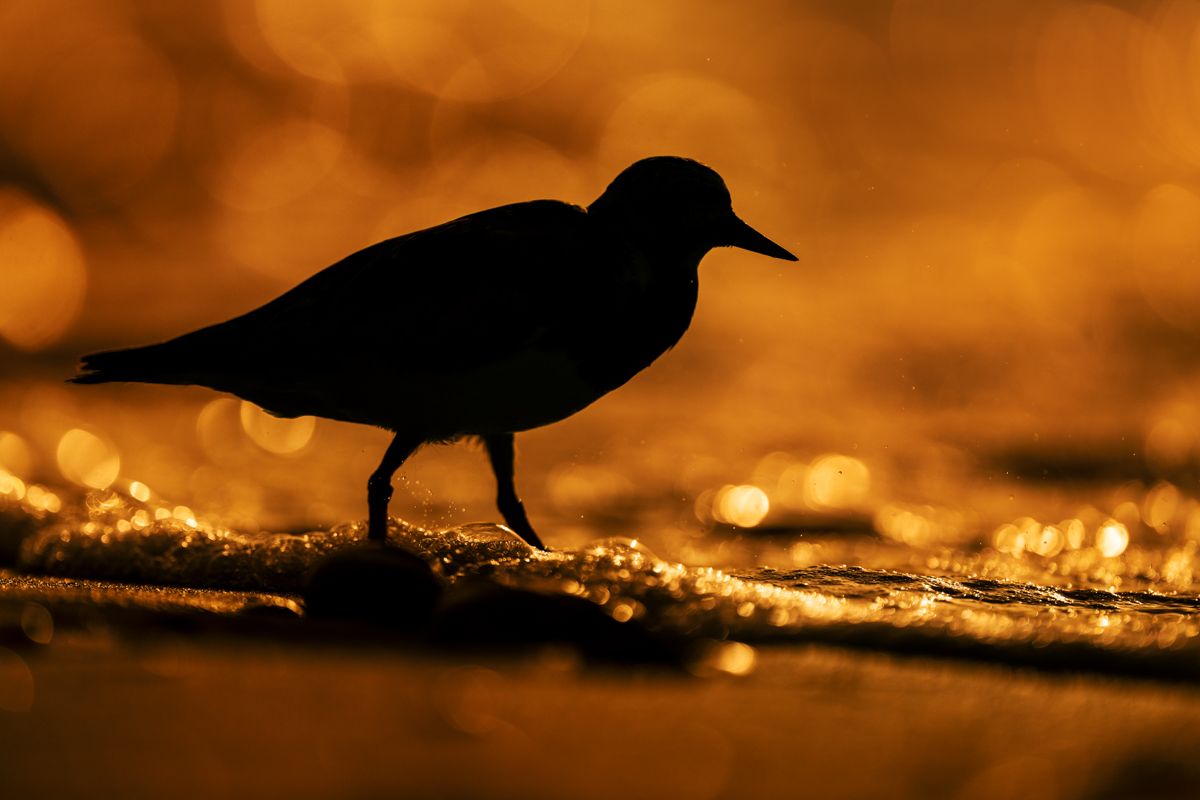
(449, 298)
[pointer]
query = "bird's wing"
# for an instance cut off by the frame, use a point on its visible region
(464, 293)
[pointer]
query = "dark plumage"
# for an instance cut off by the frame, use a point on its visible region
(494, 323)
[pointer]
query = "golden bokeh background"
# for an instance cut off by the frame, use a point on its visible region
(996, 207)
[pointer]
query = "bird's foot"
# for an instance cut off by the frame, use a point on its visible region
(527, 533)
(377, 533)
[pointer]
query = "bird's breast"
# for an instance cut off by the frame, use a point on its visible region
(640, 324)
(611, 338)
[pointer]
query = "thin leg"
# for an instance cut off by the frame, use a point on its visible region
(500, 451)
(379, 485)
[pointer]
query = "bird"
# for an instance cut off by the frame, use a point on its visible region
(492, 324)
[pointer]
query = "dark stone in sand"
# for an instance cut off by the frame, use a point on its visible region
(372, 583)
(386, 587)
(478, 613)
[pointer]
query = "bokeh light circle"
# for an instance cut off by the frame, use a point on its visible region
(458, 50)
(86, 459)
(683, 114)
(44, 278)
(275, 434)
(278, 163)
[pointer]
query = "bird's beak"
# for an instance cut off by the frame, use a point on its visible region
(739, 234)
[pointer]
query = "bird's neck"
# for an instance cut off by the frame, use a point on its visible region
(667, 250)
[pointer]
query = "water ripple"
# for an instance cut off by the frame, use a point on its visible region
(109, 537)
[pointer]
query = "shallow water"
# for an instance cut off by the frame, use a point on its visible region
(1075, 605)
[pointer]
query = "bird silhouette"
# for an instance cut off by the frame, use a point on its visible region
(495, 323)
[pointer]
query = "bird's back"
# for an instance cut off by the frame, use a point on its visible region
(420, 329)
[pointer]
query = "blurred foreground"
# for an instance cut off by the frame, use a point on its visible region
(172, 716)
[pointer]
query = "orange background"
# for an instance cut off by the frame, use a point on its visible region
(995, 206)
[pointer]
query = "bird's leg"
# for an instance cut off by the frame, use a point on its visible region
(379, 485)
(500, 451)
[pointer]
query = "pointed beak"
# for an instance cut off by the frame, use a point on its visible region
(742, 235)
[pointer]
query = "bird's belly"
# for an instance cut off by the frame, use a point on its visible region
(537, 387)
(523, 391)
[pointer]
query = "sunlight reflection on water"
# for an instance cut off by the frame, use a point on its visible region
(1132, 603)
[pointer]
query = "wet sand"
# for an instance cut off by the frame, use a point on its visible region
(182, 714)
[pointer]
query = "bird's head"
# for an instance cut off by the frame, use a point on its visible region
(676, 203)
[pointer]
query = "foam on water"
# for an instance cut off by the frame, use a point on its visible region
(110, 537)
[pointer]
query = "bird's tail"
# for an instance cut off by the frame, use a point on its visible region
(154, 363)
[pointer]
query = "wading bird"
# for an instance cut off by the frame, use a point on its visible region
(485, 326)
